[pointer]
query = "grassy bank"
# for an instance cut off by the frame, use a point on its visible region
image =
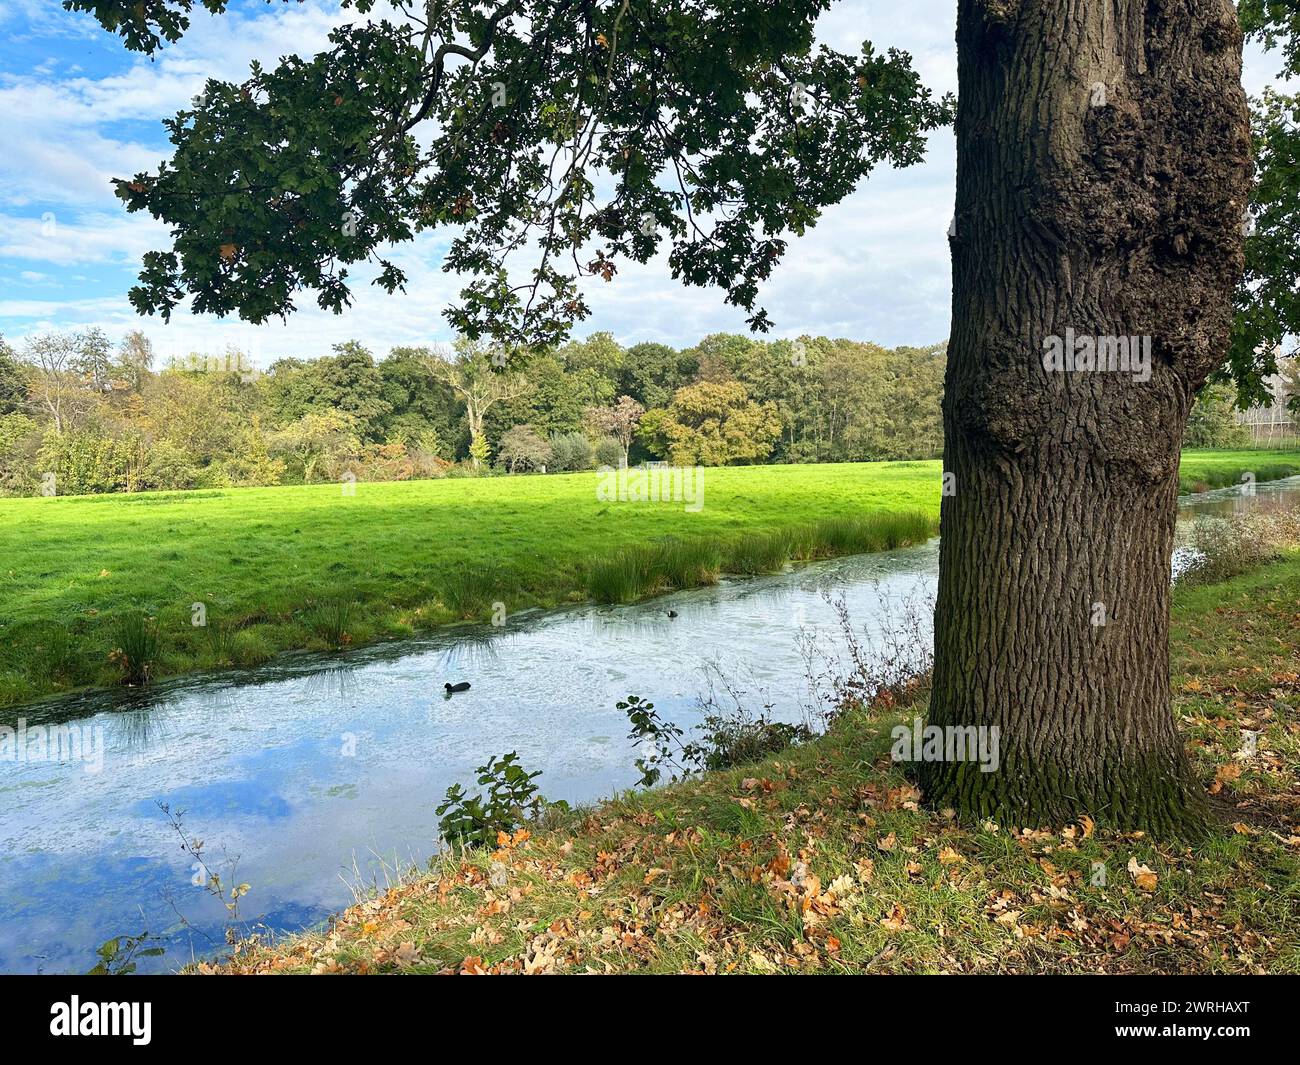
(309, 567)
(1202, 470)
(820, 859)
(89, 585)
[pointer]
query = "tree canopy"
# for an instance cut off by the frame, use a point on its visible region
(557, 139)
(1268, 302)
(196, 421)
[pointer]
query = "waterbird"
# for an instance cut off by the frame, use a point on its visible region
(463, 686)
(672, 613)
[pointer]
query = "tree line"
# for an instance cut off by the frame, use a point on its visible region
(80, 414)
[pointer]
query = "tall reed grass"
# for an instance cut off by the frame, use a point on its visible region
(636, 572)
(647, 569)
(1228, 476)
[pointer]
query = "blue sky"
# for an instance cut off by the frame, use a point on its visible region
(76, 109)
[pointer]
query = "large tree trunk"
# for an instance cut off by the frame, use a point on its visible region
(1102, 176)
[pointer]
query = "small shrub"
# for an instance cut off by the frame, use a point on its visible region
(459, 470)
(889, 662)
(660, 743)
(728, 738)
(732, 735)
(609, 452)
(511, 799)
(522, 450)
(1228, 547)
(44, 652)
(1213, 422)
(570, 452)
(117, 955)
(730, 741)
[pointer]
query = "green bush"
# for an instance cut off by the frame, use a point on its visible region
(1213, 421)
(84, 461)
(19, 442)
(168, 467)
(571, 452)
(511, 799)
(467, 590)
(609, 452)
(727, 738)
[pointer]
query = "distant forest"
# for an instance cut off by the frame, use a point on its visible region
(79, 414)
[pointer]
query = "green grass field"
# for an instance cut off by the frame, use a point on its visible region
(1219, 469)
(308, 567)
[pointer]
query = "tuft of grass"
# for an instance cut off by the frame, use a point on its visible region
(251, 647)
(220, 641)
(620, 577)
(136, 647)
(332, 621)
(15, 688)
(468, 591)
(873, 532)
(44, 653)
(679, 564)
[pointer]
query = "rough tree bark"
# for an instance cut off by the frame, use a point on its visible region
(1102, 176)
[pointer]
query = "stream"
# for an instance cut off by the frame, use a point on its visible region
(320, 774)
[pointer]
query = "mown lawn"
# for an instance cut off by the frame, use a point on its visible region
(821, 858)
(289, 568)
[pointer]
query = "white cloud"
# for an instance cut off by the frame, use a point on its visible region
(66, 238)
(43, 19)
(56, 128)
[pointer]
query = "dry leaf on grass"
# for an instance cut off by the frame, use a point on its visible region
(1144, 876)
